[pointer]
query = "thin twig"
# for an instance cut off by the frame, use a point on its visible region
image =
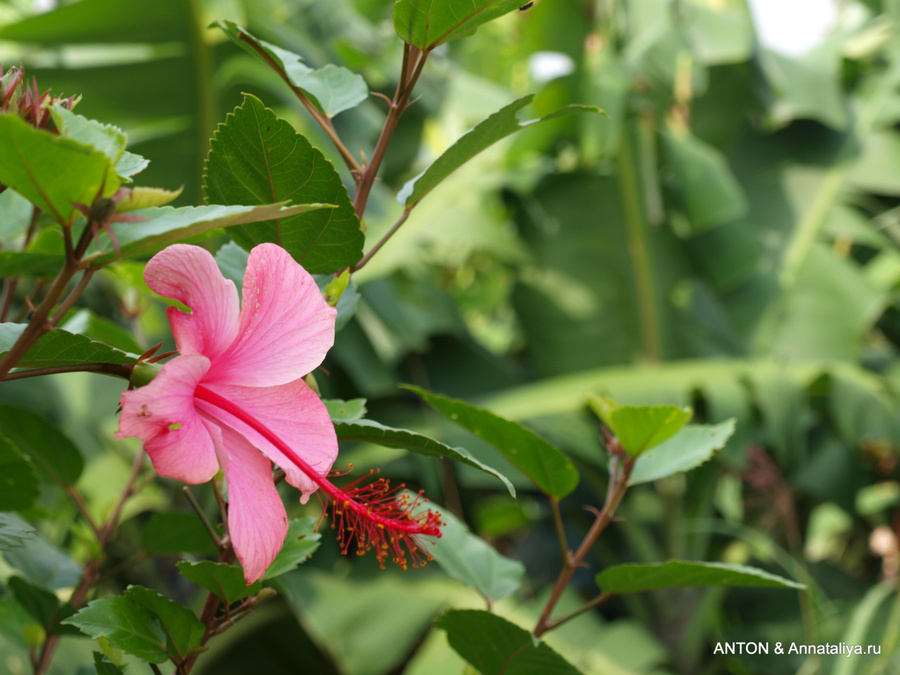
(560, 531)
(116, 369)
(381, 242)
(82, 507)
(596, 602)
(217, 540)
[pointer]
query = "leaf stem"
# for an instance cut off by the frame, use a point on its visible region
(381, 242)
(560, 530)
(217, 540)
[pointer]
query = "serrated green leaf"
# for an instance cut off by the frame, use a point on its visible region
(60, 348)
(637, 578)
(501, 124)
(331, 89)
(226, 581)
(19, 486)
(43, 605)
(373, 432)
(495, 646)
(541, 461)
(167, 225)
(129, 165)
(14, 531)
(639, 428)
(258, 158)
(473, 561)
(126, 625)
(176, 532)
(109, 140)
(182, 628)
(51, 451)
(27, 264)
(52, 172)
(688, 449)
(301, 542)
(426, 23)
(345, 411)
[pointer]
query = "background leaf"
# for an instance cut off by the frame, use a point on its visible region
(226, 581)
(18, 482)
(13, 531)
(688, 449)
(174, 532)
(426, 24)
(678, 573)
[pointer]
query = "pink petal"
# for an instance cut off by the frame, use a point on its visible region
(163, 415)
(257, 521)
(292, 412)
(286, 326)
(190, 275)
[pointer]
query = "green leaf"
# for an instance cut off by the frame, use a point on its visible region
(258, 158)
(27, 264)
(542, 462)
(639, 428)
(226, 581)
(85, 322)
(19, 487)
(345, 411)
(104, 666)
(52, 172)
(301, 542)
(44, 564)
(472, 560)
(126, 625)
(43, 606)
(109, 140)
(495, 646)
(168, 225)
(501, 124)
(176, 532)
(373, 432)
(331, 89)
(623, 579)
(182, 628)
(426, 24)
(51, 451)
(232, 261)
(688, 449)
(14, 531)
(129, 165)
(60, 348)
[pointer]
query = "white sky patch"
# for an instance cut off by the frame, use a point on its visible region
(793, 27)
(547, 66)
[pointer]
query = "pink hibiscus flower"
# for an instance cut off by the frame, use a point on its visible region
(235, 398)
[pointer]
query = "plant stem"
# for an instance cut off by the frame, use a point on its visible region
(596, 602)
(10, 284)
(217, 540)
(560, 530)
(613, 499)
(381, 242)
(117, 369)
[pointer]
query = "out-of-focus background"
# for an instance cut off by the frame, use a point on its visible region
(726, 236)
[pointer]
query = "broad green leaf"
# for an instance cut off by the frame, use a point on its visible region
(85, 322)
(146, 197)
(689, 448)
(109, 140)
(43, 605)
(301, 542)
(708, 189)
(373, 432)
(52, 172)
(495, 646)
(466, 557)
(639, 428)
(60, 348)
(345, 411)
(14, 531)
(51, 451)
(104, 666)
(331, 89)
(126, 625)
(182, 628)
(19, 486)
(168, 225)
(258, 158)
(44, 564)
(226, 581)
(542, 462)
(129, 165)
(428, 23)
(170, 533)
(27, 264)
(623, 579)
(501, 124)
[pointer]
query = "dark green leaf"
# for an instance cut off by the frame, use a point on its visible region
(688, 449)
(345, 411)
(226, 581)
(182, 628)
(19, 486)
(126, 625)
(331, 89)
(426, 24)
(495, 646)
(26, 264)
(639, 428)
(542, 462)
(301, 542)
(50, 171)
(257, 158)
(104, 666)
(466, 557)
(50, 450)
(14, 531)
(60, 348)
(109, 140)
(373, 432)
(43, 605)
(168, 225)
(85, 322)
(679, 573)
(44, 564)
(501, 124)
(176, 532)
